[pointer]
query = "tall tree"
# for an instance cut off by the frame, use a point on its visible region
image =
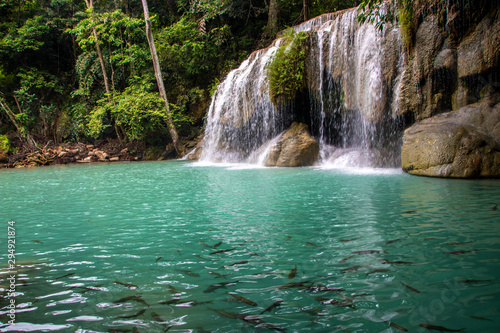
(159, 80)
(307, 9)
(90, 8)
(273, 18)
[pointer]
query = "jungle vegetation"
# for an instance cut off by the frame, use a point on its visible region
(82, 70)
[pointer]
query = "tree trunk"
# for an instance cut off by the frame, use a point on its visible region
(99, 53)
(90, 4)
(307, 9)
(31, 142)
(159, 80)
(272, 18)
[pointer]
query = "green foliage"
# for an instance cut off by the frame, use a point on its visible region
(286, 71)
(48, 60)
(137, 110)
(4, 144)
(188, 52)
(372, 11)
(30, 36)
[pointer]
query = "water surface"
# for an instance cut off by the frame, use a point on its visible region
(132, 246)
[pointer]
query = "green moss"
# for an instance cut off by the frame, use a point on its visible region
(405, 18)
(287, 68)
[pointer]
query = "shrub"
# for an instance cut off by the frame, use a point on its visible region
(287, 68)
(4, 147)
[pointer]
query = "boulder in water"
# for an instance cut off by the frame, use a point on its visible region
(295, 148)
(457, 144)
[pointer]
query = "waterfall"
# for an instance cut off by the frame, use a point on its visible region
(350, 99)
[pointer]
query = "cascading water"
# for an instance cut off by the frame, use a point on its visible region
(349, 102)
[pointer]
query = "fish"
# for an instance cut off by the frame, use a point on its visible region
(205, 244)
(320, 287)
(346, 304)
(312, 312)
(160, 320)
(218, 275)
(288, 237)
(260, 322)
(392, 241)
(473, 281)
(494, 207)
(227, 314)
(399, 327)
(345, 298)
(334, 302)
(440, 328)
(386, 261)
(292, 273)
(459, 243)
(171, 301)
(269, 273)
(131, 286)
(293, 285)
(349, 240)
(243, 299)
(345, 259)
(137, 314)
(409, 211)
(352, 269)
(37, 241)
(60, 277)
(378, 270)
(136, 298)
(272, 306)
(188, 272)
(216, 286)
(481, 318)
(192, 303)
(238, 263)
(172, 289)
(460, 251)
(368, 251)
(87, 288)
(221, 251)
(411, 288)
(310, 244)
(157, 259)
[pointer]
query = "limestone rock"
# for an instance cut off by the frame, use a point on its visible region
(295, 148)
(457, 144)
(478, 53)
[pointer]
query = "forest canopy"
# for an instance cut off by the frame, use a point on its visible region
(81, 70)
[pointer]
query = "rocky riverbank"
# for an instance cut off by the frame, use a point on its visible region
(78, 152)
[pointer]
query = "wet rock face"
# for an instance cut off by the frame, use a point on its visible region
(295, 148)
(457, 144)
(451, 86)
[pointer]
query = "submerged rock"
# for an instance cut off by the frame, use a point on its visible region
(295, 148)
(457, 144)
